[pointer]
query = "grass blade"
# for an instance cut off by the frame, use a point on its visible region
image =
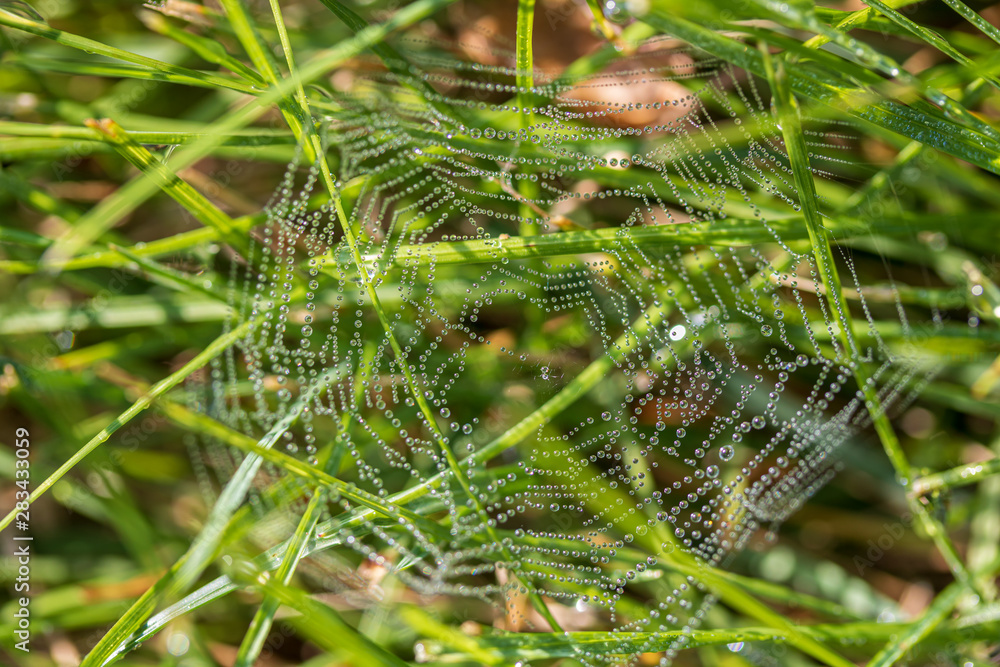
(100, 219)
(190, 566)
(16, 22)
(969, 473)
(795, 144)
(915, 122)
(132, 71)
(916, 632)
(160, 388)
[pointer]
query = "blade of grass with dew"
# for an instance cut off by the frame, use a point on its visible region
(975, 19)
(730, 232)
(969, 473)
(930, 37)
(795, 145)
(915, 123)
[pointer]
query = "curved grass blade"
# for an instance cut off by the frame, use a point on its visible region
(207, 49)
(132, 71)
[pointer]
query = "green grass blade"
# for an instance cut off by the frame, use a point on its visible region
(795, 145)
(203, 549)
(256, 635)
(858, 19)
(325, 627)
(969, 473)
(916, 632)
(984, 551)
(211, 351)
(206, 48)
(100, 219)
(244, 137)
(38, 199)
(131, 71)
(16, 22)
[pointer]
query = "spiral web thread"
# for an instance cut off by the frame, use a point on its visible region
(729, 394)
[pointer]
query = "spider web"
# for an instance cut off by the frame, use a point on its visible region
(652, 396)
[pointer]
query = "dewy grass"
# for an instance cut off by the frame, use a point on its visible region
(530, 356)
